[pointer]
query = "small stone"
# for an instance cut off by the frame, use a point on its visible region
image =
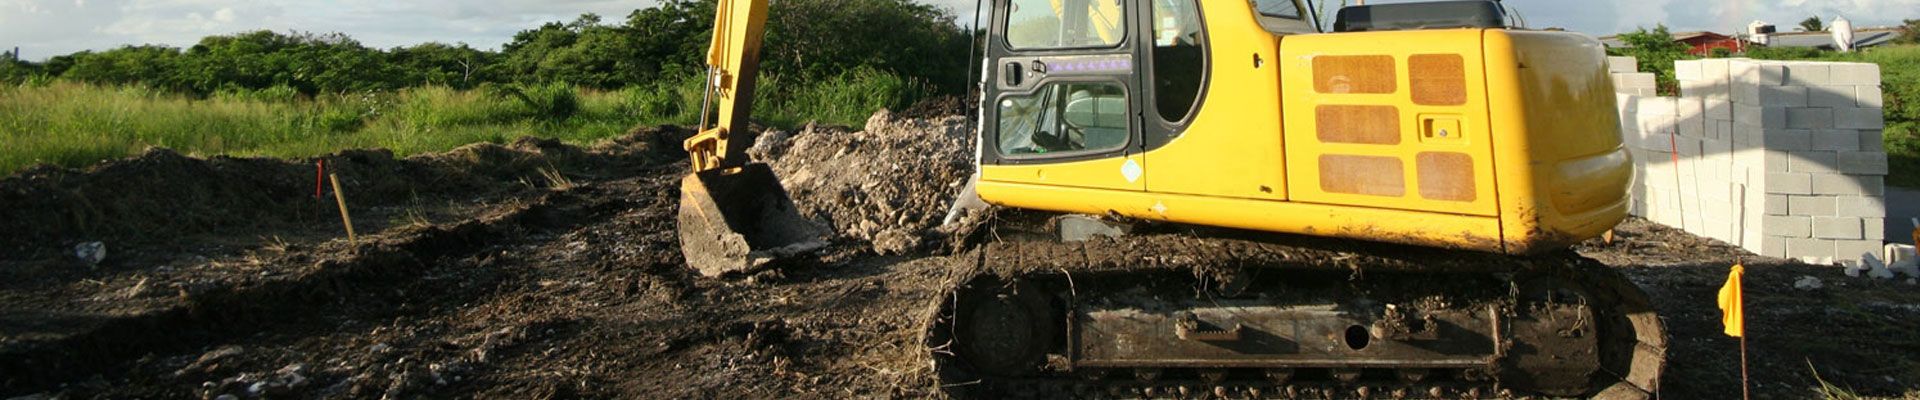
(91, 253)
(1854, 269)
(1875, 268)
(227, 397)
(1808, 283)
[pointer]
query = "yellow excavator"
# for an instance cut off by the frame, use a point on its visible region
(1226, 199)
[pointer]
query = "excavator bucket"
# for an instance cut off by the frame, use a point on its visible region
(736, 220)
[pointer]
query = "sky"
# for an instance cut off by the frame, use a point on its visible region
(45, 28)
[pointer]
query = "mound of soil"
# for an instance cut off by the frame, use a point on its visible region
(161, 194)
(889, 185)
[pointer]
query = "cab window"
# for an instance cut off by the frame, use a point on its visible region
(1064, 118)
(1065, 24)
(1277, 8)
(1179, 57)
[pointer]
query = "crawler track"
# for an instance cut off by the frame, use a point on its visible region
(1177, 315)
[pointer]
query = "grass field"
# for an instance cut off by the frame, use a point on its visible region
(73, 125)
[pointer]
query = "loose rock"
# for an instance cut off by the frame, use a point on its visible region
(1808, 283)
(889, 185)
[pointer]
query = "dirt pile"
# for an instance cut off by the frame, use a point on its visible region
(889, 185)
(164, 193)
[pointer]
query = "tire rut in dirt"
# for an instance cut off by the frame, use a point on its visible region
(214, 314)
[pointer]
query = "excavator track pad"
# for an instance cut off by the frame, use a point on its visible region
(1179, 316)
(737, 220)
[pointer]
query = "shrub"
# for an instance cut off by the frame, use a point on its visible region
(551, 102)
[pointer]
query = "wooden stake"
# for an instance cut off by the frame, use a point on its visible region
(1744, 385)
(341, 198)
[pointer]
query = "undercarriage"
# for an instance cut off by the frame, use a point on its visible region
(1222, 314)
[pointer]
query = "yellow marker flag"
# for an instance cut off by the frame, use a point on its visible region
(1732, 304)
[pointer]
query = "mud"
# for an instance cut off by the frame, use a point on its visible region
(508, 288)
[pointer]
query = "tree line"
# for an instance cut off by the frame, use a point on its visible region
(806, 40)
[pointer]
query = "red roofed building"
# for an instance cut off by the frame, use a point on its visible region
(1702, 43)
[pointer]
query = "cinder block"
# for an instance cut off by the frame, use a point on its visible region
(1863, 162)
(1792, 226)
(1772, 246)
(1855, 74)
(1634, 81)
(1687, 71)
(1860, 207)
(1819, 162)
(1811, 251)
(1714, 70)
(1808, 74)
(1657, 138)
(1689, 118)
(1845, 185)
(1776, 204)
(1760, 117)
(1856, 250)
(1658, 105)
(1853, 118)
(1874, 140)
(1812, 206)
(1868, 97)
(1832, 96)
(1795, 140)
(1623, 64)
(1837, 228)
(1783, 96)
(1876, 229)
(1777, 160)
(1836, 140)
(1689, 149)
(1718, 109)
(1764, 75)
(1744, 93)
(1811, 118)
(1792, 183)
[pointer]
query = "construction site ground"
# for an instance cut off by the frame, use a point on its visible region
(542, 270)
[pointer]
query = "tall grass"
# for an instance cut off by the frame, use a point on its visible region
(72, 124)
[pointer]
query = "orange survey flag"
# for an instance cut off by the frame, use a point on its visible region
(1732, 305)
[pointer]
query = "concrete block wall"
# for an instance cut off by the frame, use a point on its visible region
(1781, 158)
(1627, 78)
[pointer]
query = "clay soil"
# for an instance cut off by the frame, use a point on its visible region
(540, 270)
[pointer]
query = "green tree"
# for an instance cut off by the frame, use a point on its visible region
(1656, 51)
(146, 65)
(13, 71)
(815, 39)
(1909, 31)
(460, 66)
(1812, 24)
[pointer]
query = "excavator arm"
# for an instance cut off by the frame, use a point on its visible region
(733, 66)
(734, 215)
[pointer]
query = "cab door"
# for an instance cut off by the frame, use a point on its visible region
(1063, 102)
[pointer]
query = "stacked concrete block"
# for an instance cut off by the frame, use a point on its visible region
(1627, 78)
(1782, 158)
